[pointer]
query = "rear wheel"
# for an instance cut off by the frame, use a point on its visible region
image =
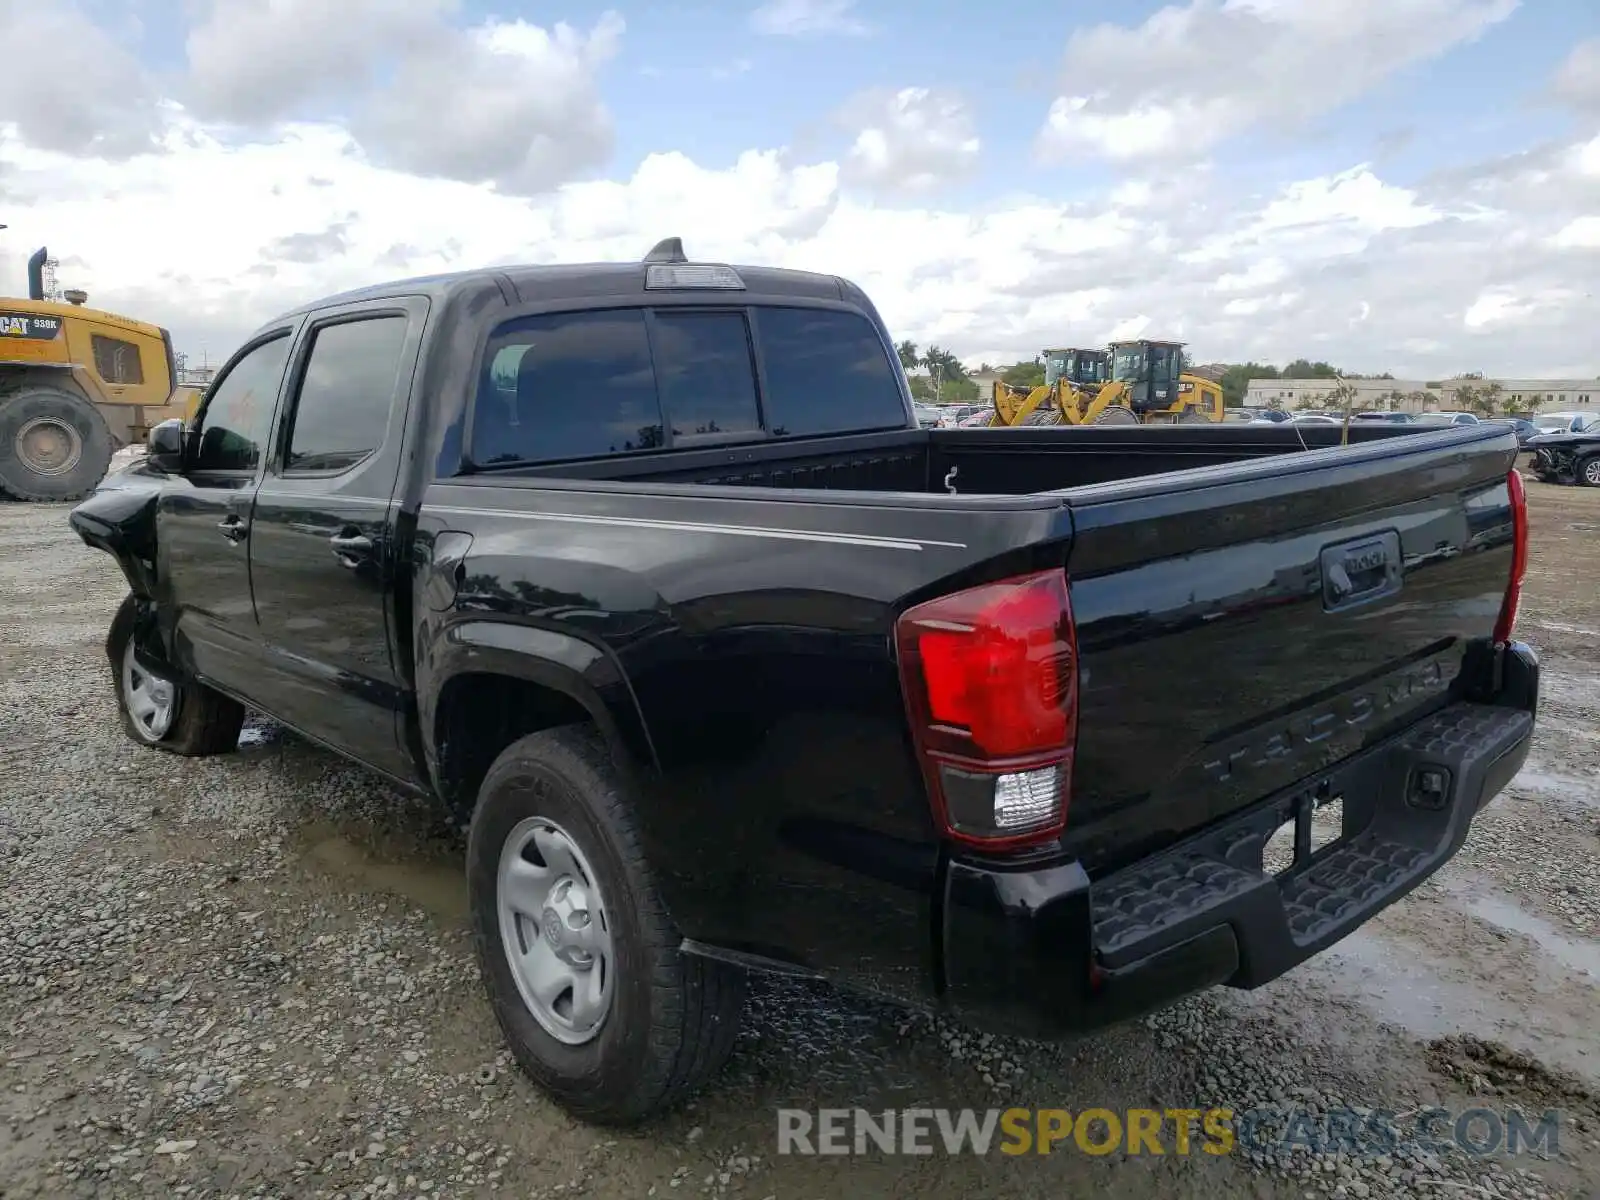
(157, 708)
(583, 966)
(1116, 415)
(1589, 471)
(54, 445)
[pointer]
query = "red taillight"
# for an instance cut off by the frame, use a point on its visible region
(991, 684)
(1507, 624)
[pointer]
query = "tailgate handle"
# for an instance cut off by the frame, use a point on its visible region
(1361, 571)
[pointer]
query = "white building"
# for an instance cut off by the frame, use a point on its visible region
(1419, 395)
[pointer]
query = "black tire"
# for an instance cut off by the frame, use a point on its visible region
(1587, 471)
(1115, 414)
(673, 1017)
(88, 447)
(203, 722)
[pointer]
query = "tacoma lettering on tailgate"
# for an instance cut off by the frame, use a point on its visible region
(1342, 722)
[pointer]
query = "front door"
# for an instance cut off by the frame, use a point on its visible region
(203, 520)
(321, 546)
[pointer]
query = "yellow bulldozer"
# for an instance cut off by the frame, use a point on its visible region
(76, 385)
(1135, 382)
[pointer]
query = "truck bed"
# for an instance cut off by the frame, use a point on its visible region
(987, 461)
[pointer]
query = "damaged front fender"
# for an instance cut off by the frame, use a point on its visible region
(119, 517)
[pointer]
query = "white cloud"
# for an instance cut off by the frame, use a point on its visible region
(506, 102)
(258, 61)
(1193, 76)
(798, 18)
(68, 86)
(1581, 233)
(911, 140)
(1577, 80)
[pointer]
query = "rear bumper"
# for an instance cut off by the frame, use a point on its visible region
(1048, 953)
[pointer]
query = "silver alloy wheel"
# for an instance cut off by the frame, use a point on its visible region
(151, 701)
(1591, 471)
(48, 446)
(555, 931)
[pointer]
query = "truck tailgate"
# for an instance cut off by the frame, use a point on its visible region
(1245, 626)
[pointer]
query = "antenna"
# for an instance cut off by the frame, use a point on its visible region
(667, 250)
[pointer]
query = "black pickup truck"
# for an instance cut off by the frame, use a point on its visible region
(647, 572)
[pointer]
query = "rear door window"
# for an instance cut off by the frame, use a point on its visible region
(343, 410)
(826, 372)
(567, 385)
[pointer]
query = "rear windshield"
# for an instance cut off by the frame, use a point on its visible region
(621, 381)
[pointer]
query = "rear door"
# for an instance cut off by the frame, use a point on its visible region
(322, 546)
(203, 520)
(1245, 626)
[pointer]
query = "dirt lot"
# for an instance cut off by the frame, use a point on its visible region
(249, 976)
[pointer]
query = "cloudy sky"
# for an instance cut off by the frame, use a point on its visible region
(1403, 185)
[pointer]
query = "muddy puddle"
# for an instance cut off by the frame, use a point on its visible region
(1460, 954)
(438, 887)
(1495, 908)
(1536, 779)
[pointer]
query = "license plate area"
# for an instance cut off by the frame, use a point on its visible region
(1316, 824)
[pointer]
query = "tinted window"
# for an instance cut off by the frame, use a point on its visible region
(704, 372)
(826, 372)
(568, 385)
(239, 408)
(343, 409)
(115, 360)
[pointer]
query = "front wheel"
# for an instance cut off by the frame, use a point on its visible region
(1116, 415)
(160, 710)
(54, 445)
(582, 965)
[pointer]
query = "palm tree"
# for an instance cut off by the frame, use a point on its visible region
(1491, 398)
(910, 360)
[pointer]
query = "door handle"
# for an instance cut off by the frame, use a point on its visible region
(351, 549)
(233, 528)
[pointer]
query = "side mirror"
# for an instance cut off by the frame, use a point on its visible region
(166, 447)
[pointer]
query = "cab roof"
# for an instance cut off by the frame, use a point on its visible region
(534, 283)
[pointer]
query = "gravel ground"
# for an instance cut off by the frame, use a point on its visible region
(249, 976)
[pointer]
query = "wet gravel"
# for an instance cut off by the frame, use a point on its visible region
(249, 976)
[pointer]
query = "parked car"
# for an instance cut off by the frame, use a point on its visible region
(729, 669)
(952, 415)
(1391, 418)
(927, 415)
(1564, 422)
(1447, 417)
(1316, 418)
(1525, 429)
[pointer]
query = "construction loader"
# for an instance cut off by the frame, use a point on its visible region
(76, 385)
(1149, 386)
(1072, 379)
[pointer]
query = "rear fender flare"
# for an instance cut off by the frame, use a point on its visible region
(570, 666)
